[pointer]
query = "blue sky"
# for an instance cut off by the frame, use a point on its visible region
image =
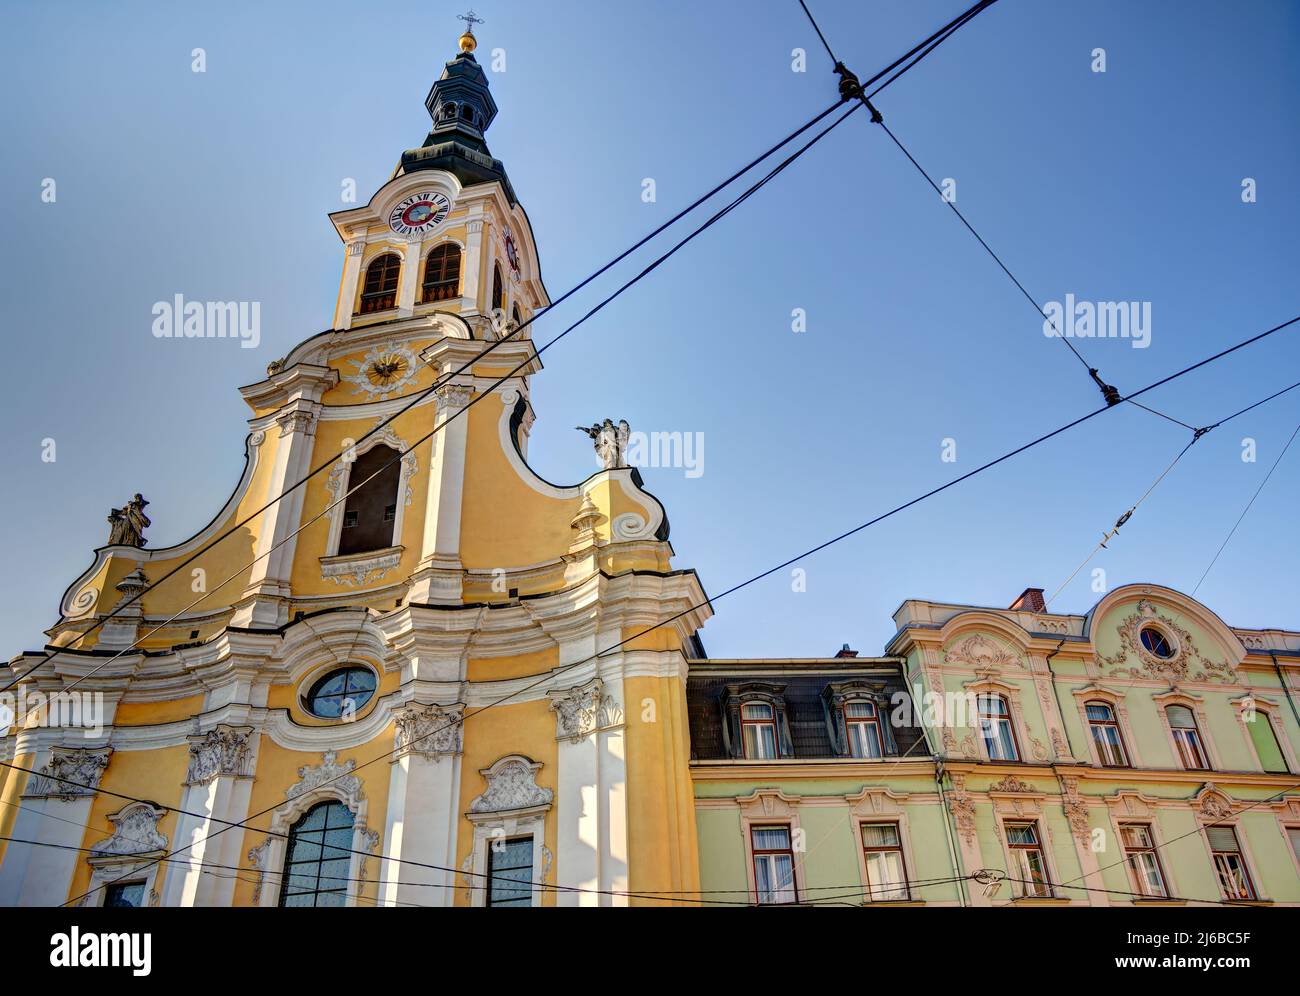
(1123, 185)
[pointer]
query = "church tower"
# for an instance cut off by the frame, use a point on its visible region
(418, 651)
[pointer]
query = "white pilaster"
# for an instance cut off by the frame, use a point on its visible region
(410, 277)
(348, 288)
(439, 574)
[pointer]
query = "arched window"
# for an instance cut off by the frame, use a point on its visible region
(514, 313)
(1187, 738)
(371, 510)
(996, 728)
(441, 273)
(498, 297)
(467, 113)
(379, 292)
(317, 859)
(1106, 735)
(448, 111)
(862, 725)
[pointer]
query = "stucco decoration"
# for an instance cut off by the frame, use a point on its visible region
(1011, 784)
(963, 809)
(257, 857)
(224, 750)
(981, 653)
(340, 777)
(1076, 810)
(135, 831)
(1211, 804)
(384, 371)
(429, 731)
(70, 773)
(583, 710)
(1187, 663)
(512, 784)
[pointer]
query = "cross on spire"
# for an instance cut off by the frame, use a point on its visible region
(470, 20)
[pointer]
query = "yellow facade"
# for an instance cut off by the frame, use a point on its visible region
(506, 707)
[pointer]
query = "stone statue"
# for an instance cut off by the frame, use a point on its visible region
(128, 524)
(610, 441)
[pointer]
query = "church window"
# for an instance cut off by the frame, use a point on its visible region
(441, 273)
(510, 873)
(498, 296)
(379, 292)
(345, 689)
(376, 476)
(316, 863)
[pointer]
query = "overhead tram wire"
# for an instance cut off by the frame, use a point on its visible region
(550, 676)
(1232, 532)
(1196, 435)
(850, 86)
(712, 220)
(447, 378)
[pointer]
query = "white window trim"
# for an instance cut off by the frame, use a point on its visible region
(993, 686)
(1114, 699)
(1206, 819)
(1157, 846)
(1271, 711)
(1128, 806)
(337, 485)
(270, 856)
(144, 867)
(772, 807)
(1197, 705)
(489, 827)
(1044, 848)
(879, 805)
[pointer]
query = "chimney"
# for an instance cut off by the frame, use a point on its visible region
(1030, 600)
(846, 652)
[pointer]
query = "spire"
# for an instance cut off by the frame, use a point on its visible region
(462, 109)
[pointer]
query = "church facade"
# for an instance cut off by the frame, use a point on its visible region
(400, 668)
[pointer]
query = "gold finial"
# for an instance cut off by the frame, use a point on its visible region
(467, 41)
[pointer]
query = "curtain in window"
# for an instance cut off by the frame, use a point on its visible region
(773, 865)
(886, 878)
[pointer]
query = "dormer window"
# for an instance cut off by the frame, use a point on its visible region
(855, 719)
(862, 724)
(755, 726)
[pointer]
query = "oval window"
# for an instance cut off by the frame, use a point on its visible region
(347, 689)
(1156, 643)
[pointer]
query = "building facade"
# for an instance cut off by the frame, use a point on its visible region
(320, 673)
(1145, 753)
(426, 676)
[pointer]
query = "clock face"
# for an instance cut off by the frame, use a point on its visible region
(419, 213)
(512, 252)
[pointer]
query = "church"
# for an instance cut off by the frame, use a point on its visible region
(399, 668)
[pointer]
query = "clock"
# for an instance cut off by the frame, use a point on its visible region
(419, 214)
(512, 252)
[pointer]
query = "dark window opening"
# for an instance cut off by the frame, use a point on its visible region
(379, 292)
(441, 274)
(498, 297)
(366, 525)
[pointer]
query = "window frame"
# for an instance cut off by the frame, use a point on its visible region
(902, 860)
(319, 676)
(342, 890)
(1110, 724)
(1008, 718)
(1034, 824)
(365, 298)
(755, 854)
(339, 483)
(453, 282)
(1153, 848)
(1247, 875)
(488, 882)
(872, 724)
(1181, 748)
(771, 721)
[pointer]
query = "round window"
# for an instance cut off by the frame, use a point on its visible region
(1156, 643)
(346, 689)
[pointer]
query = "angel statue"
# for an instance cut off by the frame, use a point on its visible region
(128, 524)
(610, 441)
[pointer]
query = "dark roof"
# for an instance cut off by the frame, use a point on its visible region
(804, 681)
